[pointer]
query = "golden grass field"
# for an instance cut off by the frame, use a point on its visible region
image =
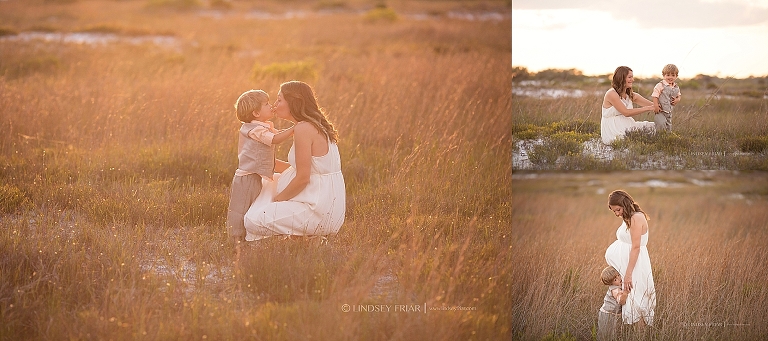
(707, 245)
(116, 159)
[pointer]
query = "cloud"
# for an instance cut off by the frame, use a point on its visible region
(663, 13)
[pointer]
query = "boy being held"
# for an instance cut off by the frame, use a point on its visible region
(663, 94)
(609, 317)
(255, 155)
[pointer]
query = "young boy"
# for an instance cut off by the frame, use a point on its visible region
(255, 155)
(609, 317)
(663, 93)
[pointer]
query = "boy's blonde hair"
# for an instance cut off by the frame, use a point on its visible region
(608, 274)
(669, 69)
(248, 102)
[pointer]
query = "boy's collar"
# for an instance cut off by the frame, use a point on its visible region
(264, 123)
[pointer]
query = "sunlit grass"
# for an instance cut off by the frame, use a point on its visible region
(706, 232)
(116, 163)
(708, 132)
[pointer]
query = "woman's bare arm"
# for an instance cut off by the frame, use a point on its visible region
(640, 100)
(302, 141)
(282, 135)
(281, 166)
(613, 99)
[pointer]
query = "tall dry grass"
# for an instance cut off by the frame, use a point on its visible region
(116, 161)
(700, 115)
(708, 132)
(707, 240)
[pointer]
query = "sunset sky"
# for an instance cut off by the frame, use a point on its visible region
(712, 37)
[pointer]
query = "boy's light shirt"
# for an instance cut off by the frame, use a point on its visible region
(264, 134)
(660, 86)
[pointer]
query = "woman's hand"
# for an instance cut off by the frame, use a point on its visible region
(628, 283)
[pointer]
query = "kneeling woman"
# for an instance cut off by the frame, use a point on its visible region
(308, 198)
(618, 108)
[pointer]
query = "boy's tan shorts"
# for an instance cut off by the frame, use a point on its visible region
(243, 193)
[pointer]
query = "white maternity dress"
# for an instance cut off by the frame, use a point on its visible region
(317, 210)
(614, 125)
(641, 301)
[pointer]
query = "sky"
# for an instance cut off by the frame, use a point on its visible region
(725, 38)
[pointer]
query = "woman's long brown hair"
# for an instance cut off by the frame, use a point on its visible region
(619, 82)
(303, 105)
(630, 207)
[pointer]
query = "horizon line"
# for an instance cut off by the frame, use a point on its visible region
(609, 74)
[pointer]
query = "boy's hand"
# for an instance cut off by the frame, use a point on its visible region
(674, 100)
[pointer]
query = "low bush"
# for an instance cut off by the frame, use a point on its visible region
(756, 144)
(298, 70)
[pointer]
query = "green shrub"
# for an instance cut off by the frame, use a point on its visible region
(560, 126)
(671, 143)
(102, 28)
(381, 14)
(581, 131)
(755, 144)
(177, 4)
(43, 28)
(648, 141)
(518, 127)
(25, 67)
(565, 144)
(556, 145)
(527, 134)
(7, 31)
(298, 70)
(542, 155)
(221, 4)
(645, 135)
(569, 138)
(330, 4)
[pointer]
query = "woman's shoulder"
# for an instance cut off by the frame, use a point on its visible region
(611, 93)
(304, 127)
(640, 218)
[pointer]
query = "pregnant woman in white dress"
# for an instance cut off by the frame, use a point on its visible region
(308, 198)
(629, 255)
(618, 108)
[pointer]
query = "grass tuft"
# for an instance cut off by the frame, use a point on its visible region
(45, 64)
(7, 31)
(12, 199)
(174, 4)
(381, 14)
(297, 70)
(756, 144)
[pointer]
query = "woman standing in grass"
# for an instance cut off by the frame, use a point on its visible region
(629, 255)
(618, 108)
(308, 198)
